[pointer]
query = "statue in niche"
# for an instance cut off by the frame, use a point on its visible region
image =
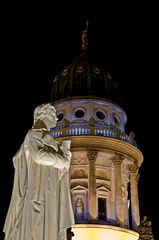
(79, 209)
(40, 206)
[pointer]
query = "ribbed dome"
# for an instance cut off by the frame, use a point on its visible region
(84, 78)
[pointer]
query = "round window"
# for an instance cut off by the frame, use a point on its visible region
(60, 116)
(100, 115)
(79, 113)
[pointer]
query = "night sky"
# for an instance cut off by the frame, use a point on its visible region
(38, 44)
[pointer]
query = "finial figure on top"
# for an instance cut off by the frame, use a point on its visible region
(85, 37)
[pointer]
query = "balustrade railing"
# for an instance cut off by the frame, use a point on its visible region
(94, 131)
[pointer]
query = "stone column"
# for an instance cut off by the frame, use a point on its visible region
(133, 169)
(112, 186)
(116, 190)
(108, 206)
(126, 203)
(92, 198)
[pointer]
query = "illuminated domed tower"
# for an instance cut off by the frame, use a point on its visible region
(105, 160)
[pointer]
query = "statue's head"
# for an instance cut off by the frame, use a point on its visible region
(46, 113)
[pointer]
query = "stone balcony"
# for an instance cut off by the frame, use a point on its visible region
(74, 130)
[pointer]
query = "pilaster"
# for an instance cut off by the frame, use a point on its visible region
(116, 190)
(133, 169)
(92, 198)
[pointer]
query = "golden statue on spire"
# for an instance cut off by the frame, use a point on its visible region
(84, 37)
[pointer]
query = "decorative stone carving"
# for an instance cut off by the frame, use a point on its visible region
(92, 155)
(133, 168)
(125, 171)
(81, 173)
(116, 160)
(132, 134)
(65, 72)
(97, 70)
(145, 229)
(80, 69)
(79, 161)
(109, 75)
(79, 106)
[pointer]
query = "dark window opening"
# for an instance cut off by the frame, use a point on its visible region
(60, 116)
(79, 113)
(100, 115)
(102, 209)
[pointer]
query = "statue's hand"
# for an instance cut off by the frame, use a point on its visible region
(65, 147)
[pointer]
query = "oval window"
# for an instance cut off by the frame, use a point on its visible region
(79, 113)
(60, 116)
(100, 115)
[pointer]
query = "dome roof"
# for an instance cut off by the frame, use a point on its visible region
(83, 78)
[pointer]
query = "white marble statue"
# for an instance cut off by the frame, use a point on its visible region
(40, 207)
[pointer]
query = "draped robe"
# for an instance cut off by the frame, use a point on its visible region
(40, 206)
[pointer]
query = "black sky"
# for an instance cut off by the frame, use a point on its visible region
(37, 44)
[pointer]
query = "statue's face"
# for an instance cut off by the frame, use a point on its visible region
(50, 119)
